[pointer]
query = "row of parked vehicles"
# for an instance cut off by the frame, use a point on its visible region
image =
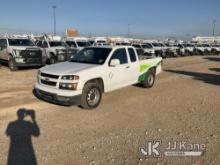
(176, 49)
(19, 51)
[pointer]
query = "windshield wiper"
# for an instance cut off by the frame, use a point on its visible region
(86, 62)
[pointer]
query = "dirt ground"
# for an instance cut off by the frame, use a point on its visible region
(183, 106)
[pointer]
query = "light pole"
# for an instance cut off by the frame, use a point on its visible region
(128, 30)
(54, 19)
(213, 27)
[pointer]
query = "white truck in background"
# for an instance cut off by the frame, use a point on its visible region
(172, 50)
(158, 47)
(215, 48)
(20, 52)
(77, 43)
(55, 49)
(93, 71)
(98, 41)
(202, 49)
(186, 49)
(146, 47)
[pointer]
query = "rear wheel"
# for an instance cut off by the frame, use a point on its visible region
(149, 79)
(12, 64)
(91, 96)
(163, 55)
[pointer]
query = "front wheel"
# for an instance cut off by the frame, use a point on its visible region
(91, 96)
(12, 64)
(52, 60)
(149, 79)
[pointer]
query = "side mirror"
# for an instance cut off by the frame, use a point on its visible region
(114, 62)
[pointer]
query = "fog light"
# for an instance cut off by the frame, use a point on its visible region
(68, 86)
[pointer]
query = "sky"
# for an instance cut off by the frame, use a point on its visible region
(146, 18)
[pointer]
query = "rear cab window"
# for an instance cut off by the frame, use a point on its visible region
(132, 55)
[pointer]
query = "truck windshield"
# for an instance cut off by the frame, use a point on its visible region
(57, 43)
(156, 44)
(20, 42)
(101, 41)
(188, 45)
(82, 43)
(137, 46)
(146, 46)
(92, 56)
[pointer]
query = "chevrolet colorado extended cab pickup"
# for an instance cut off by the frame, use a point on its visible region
(93, 71)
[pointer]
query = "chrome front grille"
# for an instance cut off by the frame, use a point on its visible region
(49, 79)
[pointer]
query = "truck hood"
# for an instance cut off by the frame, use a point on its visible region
(24, 47)
(58, 48)
(66, 68)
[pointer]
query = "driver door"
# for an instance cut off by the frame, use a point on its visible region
(118, 76)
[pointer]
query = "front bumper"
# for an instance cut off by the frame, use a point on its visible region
(27, 62)
(56, 99)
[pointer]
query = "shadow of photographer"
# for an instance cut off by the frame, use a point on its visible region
(20, 131)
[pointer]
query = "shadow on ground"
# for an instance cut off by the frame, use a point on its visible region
(20, 132)
(212, 58)
(215, 69)
(205, 77)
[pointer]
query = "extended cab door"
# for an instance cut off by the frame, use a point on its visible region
(3, 49)
(120, 75)
(133, 66)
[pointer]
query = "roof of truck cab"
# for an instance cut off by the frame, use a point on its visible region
(112, 47)
(15, 38)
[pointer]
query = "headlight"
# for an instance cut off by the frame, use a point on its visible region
(59, 51)
(38, 76)
(68, 86)
(38, 73)
(70, 77)
(16, 52)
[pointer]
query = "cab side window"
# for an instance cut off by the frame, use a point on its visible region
(121, 55)
(45, 45)
(39, 44)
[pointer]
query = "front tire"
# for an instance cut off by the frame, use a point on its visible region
(12, 64)
(149, 79)
(91, 96)
(52, 60)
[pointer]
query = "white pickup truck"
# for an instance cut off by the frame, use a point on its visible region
(147, 48)
(56, 51)
(77, 43)
(20, 52)
(93, 71)
(202, 49)
(186, 49)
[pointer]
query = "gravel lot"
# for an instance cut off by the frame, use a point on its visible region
(184, 105)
